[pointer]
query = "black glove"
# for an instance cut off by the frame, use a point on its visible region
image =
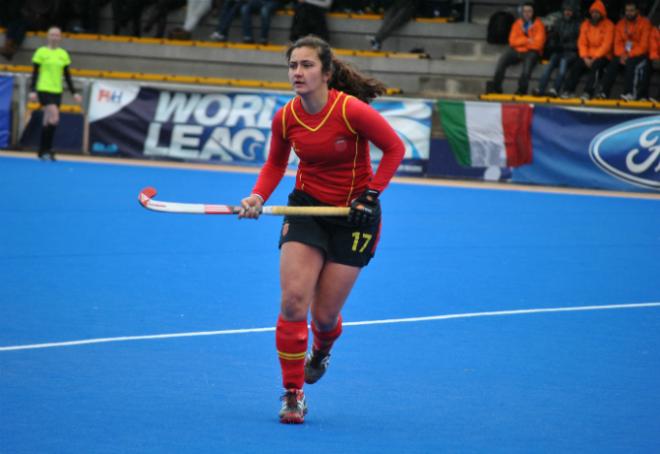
(365, 210)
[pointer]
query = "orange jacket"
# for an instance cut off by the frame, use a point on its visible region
(636, 32)
(654, 44)
(533, 41)
(596, 41)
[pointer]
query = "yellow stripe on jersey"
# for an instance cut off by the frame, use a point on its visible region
(284, 120)
(309, 128)
(343, 113)
(350, 191)
(291, 356)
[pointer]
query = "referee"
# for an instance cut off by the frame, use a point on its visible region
(50, 63)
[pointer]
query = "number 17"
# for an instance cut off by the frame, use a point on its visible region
(356, 239)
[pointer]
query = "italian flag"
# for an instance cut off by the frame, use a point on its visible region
(485, 134)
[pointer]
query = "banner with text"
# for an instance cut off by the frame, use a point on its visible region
(224, 127)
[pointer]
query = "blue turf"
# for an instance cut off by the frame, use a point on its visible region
(80, 259)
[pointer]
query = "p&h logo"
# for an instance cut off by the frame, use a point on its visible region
(630, 151)
(112, 96)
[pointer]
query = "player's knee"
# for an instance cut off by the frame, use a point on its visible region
(294, 305)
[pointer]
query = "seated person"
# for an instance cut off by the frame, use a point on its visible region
(595, 51)
(631, 50)
(526, 41)
(564, 39)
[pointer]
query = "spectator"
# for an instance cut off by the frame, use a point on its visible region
(595, 50)
(526, 41)
(266, 10)
(631, 50)
(12, 18)
(51, 62)
(564, 39)
(159, 13)
(398, 14)
(227, 13)
(195, 12)
(309, 19)
(654, 55)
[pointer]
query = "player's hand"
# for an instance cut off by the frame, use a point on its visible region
(365, 210)
(78, 98)
(32, 97)
(251, 207)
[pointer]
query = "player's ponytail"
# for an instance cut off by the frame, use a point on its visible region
(343, 76)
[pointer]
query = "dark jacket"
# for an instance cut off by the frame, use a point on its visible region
(565, 33)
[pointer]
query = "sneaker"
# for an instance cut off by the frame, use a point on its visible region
(537, 92)
(627, 97)
(600, 95)
(567, 95)
(585, 97)
(552, 93)
(374, 43)
(316, 363)
(218, 37)
(294, 407)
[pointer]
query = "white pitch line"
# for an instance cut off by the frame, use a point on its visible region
(363, 323)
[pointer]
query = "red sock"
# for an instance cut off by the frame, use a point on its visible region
(291, 342)
(323, 340)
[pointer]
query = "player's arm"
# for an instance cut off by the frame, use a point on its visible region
(271, 173)
(371, 125)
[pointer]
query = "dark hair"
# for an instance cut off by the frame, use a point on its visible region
(343, 76)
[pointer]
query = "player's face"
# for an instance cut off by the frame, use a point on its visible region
(54, 36)
(306, 71)
(527, 13)
(631, 12)
(595, 15)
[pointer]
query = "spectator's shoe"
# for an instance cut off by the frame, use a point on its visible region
(248, 40)
(374, 43)
(537, 92)
(316, 363)
(568, 95)
(294, 407)
(218, 37)
(600, 95)
(585, 97)
(552, 93)
(653, 100)
(492, 89)
(627, 97)
(179, 34)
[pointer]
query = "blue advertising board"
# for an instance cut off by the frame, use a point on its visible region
(594, 148)
(6, 87)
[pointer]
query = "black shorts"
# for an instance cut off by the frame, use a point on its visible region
(46, 98)
(340, 241)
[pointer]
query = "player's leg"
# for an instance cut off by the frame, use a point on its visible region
(335, 284)
(51, 117)
(300, 266)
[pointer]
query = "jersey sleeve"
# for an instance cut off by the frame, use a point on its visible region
(278, 157)
(38, 56)
(370, 124)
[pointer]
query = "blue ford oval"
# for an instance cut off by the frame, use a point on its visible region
(630, 151)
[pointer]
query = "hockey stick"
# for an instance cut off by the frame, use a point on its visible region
(146, 199)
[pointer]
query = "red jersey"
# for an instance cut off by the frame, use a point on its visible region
(333, 147)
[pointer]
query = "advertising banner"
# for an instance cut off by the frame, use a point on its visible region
(225, 127)
(6, 87)
(594, 148)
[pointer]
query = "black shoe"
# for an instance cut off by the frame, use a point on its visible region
(316, 363)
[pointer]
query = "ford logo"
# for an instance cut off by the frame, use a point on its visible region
(630, 151)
